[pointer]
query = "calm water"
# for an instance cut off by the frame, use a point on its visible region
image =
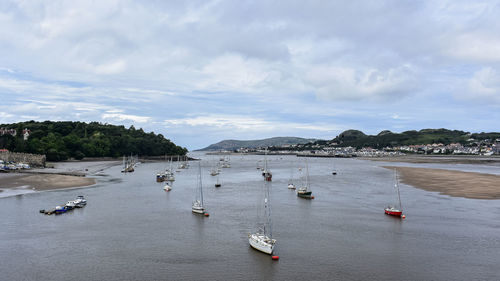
(132, 230)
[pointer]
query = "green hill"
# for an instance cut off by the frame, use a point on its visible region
(63, 140)
(386, 138)
(276, 141)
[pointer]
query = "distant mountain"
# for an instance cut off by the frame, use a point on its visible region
(235, 144)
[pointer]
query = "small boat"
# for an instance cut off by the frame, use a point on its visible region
(167, 187)
(218, 184)
(198, 206)
(60, 209)
(290, 181)
(266, 173)
(334, 171)
(169, 175)
(70, 205)
(214, 171)
(262, 239)
(393, 210)
(128, 164)
(160, 177)
(80, 201)
(305, 190)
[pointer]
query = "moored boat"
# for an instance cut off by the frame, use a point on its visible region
(393, 210)
(262, 239)
(266, 173)
(80, 201)
(305, 190)
(198, 206)
(261, 242)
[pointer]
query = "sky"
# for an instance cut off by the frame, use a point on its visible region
(199, 72)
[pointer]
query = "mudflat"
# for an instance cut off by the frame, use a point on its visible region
(44, 181)
(62, 175)
(450, 182)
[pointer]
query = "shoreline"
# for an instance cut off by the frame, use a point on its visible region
(453, 183)
(63, 175)
(438, 159)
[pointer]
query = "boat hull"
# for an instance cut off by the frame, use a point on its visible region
(198, 211)
(197, 208)
(307, 194)
(393, 212)
(257, 242)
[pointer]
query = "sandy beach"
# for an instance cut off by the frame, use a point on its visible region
(450, 182)
(62, 175)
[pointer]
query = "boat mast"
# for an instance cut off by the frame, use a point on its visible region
(397, 188)
(307, 176)
(265, 162)
(267, 207)
(199, 183)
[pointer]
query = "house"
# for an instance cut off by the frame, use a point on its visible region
(26, 134)
(5, 131)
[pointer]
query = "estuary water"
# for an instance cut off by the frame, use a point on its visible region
(133, 230)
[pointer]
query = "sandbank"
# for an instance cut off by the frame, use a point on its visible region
(451, 182)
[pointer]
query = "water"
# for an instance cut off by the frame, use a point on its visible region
(133, 230)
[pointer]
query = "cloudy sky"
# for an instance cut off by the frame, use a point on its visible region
(202, 71)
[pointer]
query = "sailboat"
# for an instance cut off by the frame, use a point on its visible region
(305, 190)
(167, 187)
(214, 171)
(170, 175)
(198, 206)
(266, 173)
(334, 171)
(290, 181)
(395, 210)
(128, 164)
(262, 239)
(218, 184)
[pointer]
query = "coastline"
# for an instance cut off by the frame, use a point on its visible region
(442, 159)
(451, 182)
(63, 175)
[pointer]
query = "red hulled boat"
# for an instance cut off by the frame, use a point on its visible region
(391, 210)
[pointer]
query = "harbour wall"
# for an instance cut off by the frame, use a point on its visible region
(34, 160)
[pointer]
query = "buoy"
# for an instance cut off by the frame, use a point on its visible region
(403, 216)
(275, 258)
(312, 197)
(206, 214)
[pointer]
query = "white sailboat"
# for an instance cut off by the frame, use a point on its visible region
(305, 190)
(198, 206)
(262, 239)
(214, 171)
(290, 181)
(167, 187)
